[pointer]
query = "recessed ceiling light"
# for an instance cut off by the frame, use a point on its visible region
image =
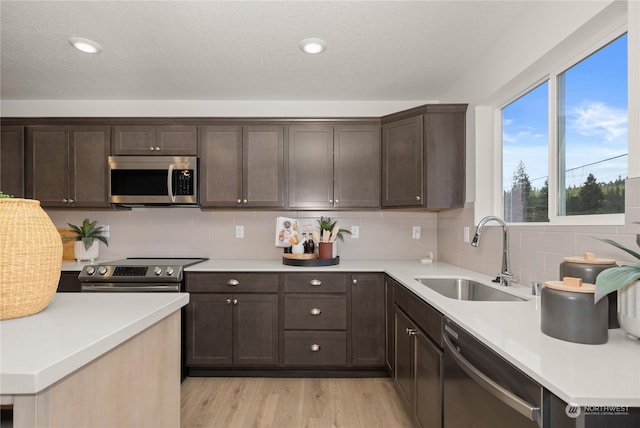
(313, 46)
(85, 45)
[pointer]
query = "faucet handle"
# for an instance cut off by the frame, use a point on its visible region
(506, 278)
(535, 288)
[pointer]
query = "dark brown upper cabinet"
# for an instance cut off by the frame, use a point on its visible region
(160, 140)
(242, 166)
(423, 157)
(66, 166)
(12, 160)
(334, 166)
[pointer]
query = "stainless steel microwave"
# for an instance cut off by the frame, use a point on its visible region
(153, 180)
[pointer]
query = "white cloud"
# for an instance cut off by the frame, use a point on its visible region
(598, 119)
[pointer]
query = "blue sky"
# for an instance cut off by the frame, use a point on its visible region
(596, 121)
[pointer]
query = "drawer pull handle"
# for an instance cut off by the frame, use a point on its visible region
(315, 282)
(412, 332)
(315, 347)
(315, 311)
(233, 282)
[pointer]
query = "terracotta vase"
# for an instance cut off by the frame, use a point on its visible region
(325, 250)
(629, 309)
(30, 258)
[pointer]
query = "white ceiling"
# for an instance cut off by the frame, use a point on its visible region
(245, 50)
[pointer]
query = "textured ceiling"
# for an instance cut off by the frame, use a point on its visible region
(243, 50)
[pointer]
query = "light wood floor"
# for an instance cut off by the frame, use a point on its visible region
(291, 403)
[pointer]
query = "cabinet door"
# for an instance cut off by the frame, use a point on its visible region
(444, 158)
(402, 163)
(255, 329)
(135, 140)
(367, 320)
(263, 166)
(177, 140)
(221, 166)
(403, 375)
(389, 325)
(209, 330)
(356, 165)
(89, 149)
(12, 160)
(428, 384)
(311, 166)
(47, 165)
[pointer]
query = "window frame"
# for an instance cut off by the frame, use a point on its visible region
(552, 79)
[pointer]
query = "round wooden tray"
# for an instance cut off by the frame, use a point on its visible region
(310, 262)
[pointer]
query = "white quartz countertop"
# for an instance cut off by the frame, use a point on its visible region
(586, 375)
(73, 330)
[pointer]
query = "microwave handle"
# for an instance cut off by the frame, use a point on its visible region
(170, 182)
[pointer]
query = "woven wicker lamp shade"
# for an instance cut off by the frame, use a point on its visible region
(30, 258)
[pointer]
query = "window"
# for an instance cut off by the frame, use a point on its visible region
(586, 173)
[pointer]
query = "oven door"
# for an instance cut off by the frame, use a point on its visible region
(153, 180)
(132, 287)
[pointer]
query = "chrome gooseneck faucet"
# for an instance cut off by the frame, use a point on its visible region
(506, 277)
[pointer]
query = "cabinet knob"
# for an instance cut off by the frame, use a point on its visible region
(330, 201)
(71, 201)
(354, 280)
(417, 198)
(315, 311)
(315, 282)
(315, 347)
(239, 201)
(157, 149)
(151, 148)
(64, 201)
(235, 301)
(233, 282)
(244, 201)
(412, 331)
(337, 201)
(228, 301)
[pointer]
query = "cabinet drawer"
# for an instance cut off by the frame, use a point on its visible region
(315, 312)
(315, 283)
(315, 348)
(231, 282)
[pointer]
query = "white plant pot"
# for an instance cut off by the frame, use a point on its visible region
(629, 309)
(82, 253)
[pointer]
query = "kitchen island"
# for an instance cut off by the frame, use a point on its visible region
(95, 359)
(584, 375)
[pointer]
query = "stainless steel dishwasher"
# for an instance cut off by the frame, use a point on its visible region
(481, 389)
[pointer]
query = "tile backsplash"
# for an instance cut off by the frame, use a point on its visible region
(184, 232)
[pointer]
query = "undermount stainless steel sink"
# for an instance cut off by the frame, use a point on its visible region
(466, 289)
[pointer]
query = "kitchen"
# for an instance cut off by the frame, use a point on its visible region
(536, 251)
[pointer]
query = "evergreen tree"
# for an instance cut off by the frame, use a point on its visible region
(591, 196)
(520, 197)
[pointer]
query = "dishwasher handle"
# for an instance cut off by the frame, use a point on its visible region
(507, 397)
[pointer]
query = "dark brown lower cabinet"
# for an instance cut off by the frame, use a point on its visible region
(368, 320)
(418, 358)
(69, 282)
(232, 329)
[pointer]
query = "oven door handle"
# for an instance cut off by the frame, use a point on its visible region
(117, 288)
(507, 397)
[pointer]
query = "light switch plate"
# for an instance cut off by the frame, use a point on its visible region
(416, 232)
(240, 232)
(355, 232)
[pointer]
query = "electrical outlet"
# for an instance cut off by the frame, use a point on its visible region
(355, 232)
(416, 232)
(240, 232)
(105, 230)
(466, 234)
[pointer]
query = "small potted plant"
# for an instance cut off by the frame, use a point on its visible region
(625, 279)
(329, 232)
(87, 237)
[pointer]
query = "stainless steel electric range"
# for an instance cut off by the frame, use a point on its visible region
(137, 275)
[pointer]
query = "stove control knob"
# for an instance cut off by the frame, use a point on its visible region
(169, 271)
(90, 270)
(102, 270)
(157, 270)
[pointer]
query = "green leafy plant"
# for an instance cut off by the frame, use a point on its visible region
(4, 195)
(88, 232)
(613, 279)
(327, 223)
